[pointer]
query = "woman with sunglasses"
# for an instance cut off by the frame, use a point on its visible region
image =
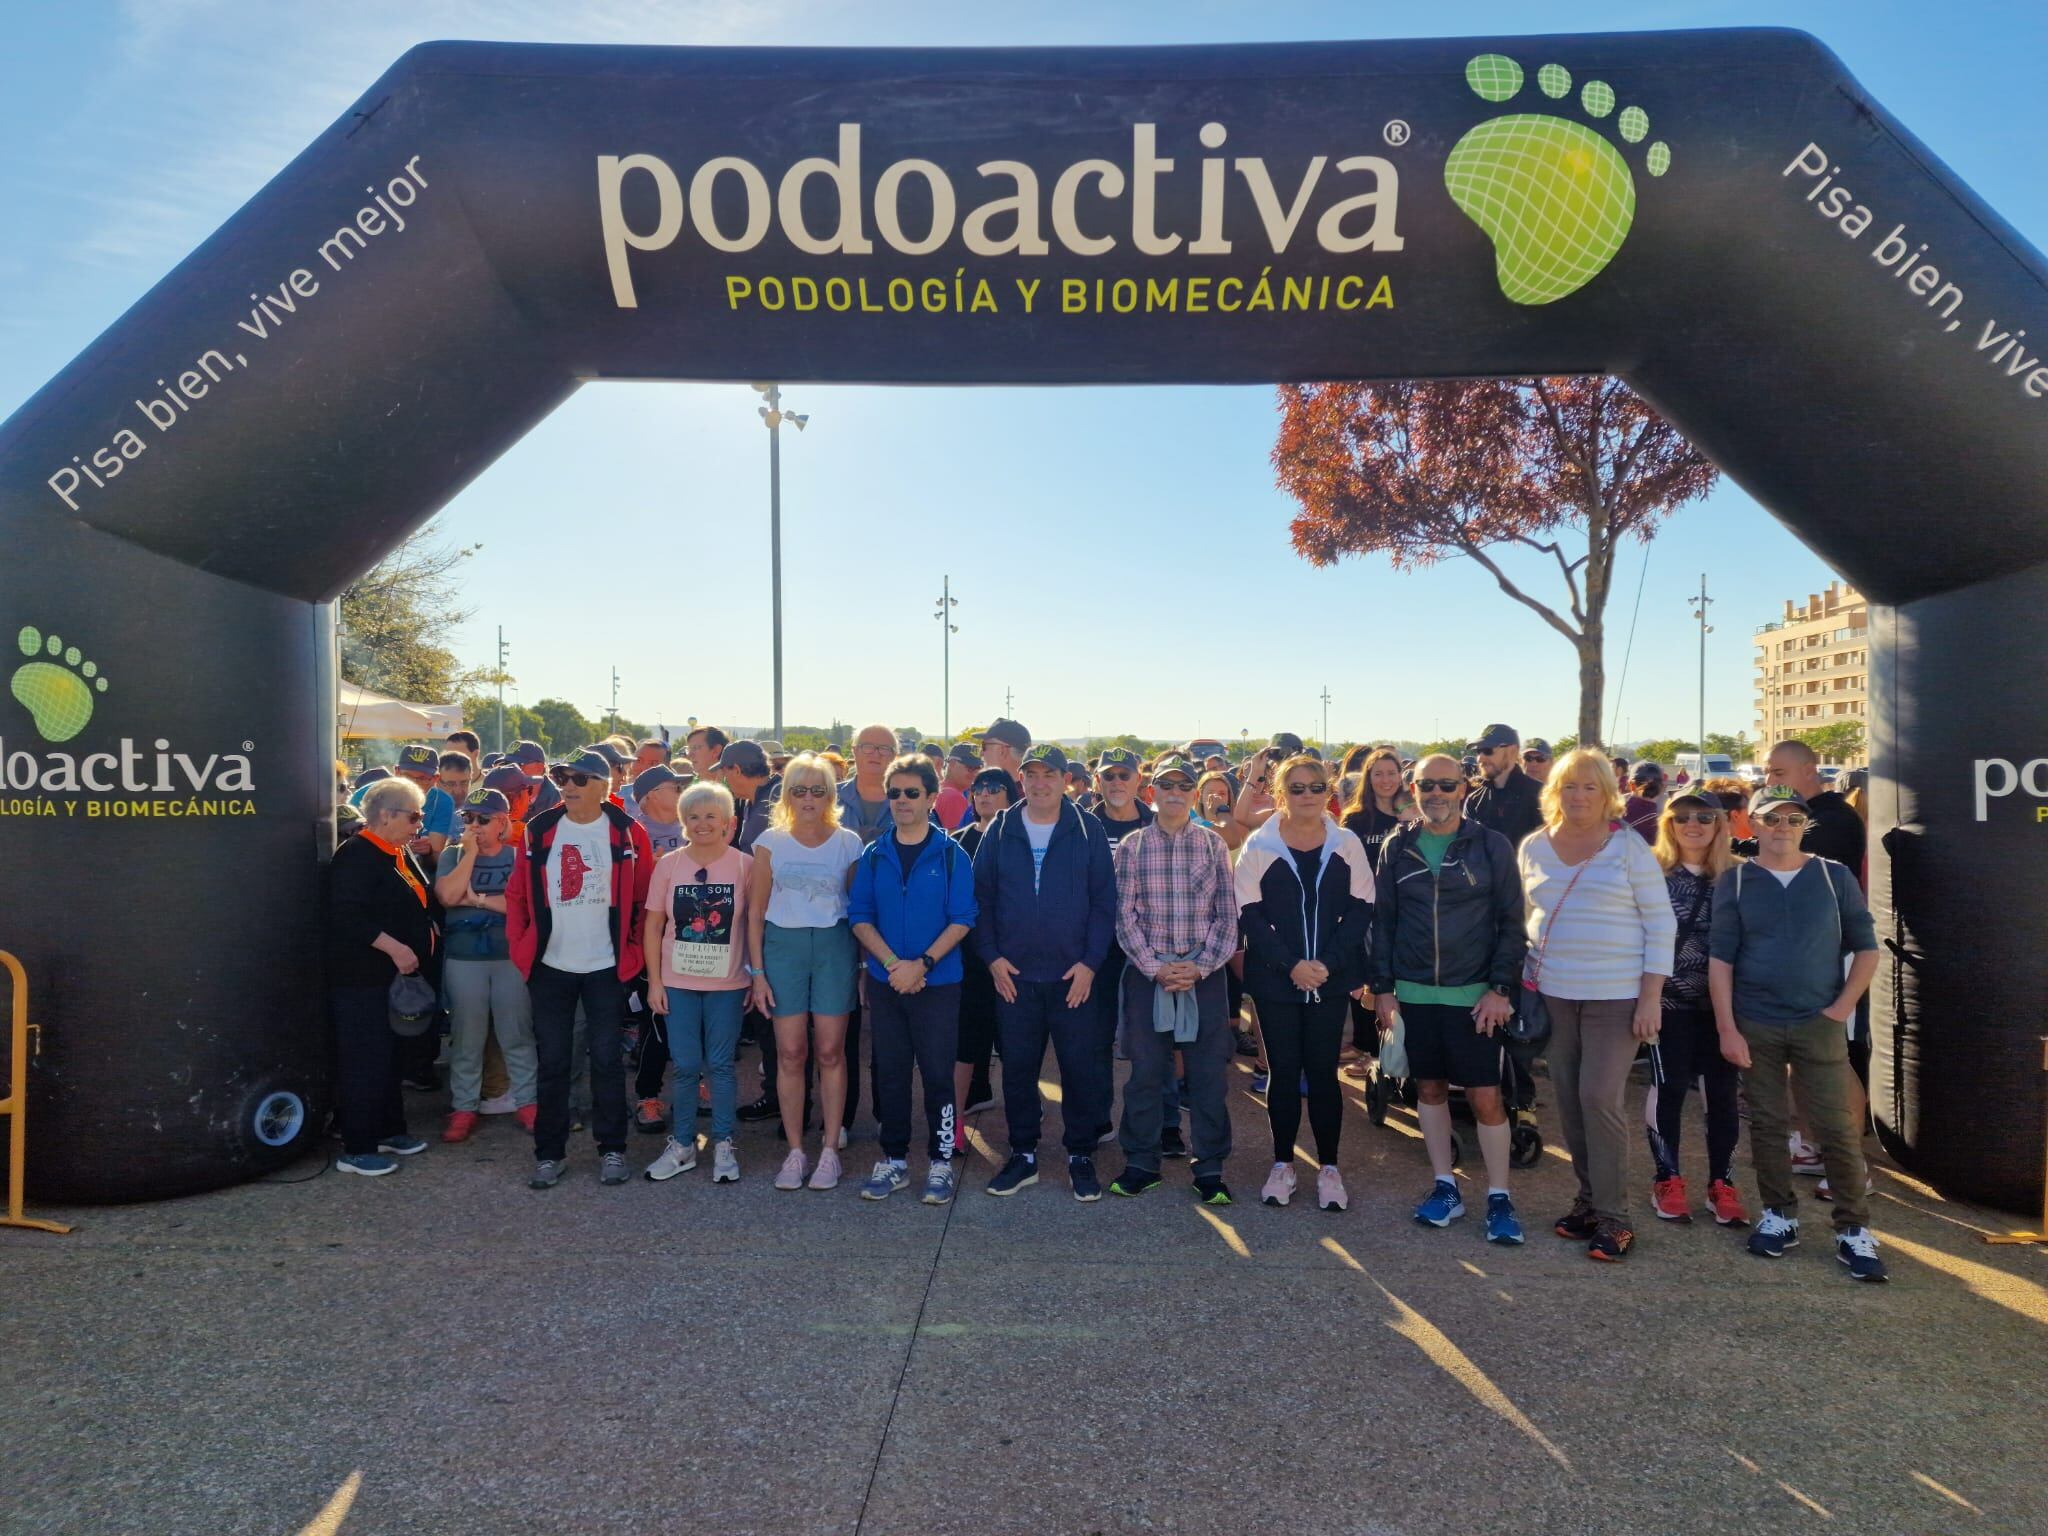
(486, 994)
(1600, 939)
(382, 923)
(1304, 895)
(993, 791)
(804, 967)
(1692, 847)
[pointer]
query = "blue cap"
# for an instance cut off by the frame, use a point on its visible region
(651, 779)
(527, 752)
(1048, 753)
(1117, 757)
(507, 780)
(418, 759)
(487, 802)
(587, 760)
(746, 756)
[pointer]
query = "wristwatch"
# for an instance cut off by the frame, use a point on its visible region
(927, 962)
(1504, 990)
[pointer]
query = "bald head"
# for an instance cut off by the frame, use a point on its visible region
(1440, 791)
(1795, 764)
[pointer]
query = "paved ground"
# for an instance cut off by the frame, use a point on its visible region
(444, 1351)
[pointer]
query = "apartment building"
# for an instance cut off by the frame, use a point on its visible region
(1813, 664)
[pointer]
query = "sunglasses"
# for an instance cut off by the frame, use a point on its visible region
(1115, 775)
(567, 776)
(1448, 786)
(1317, 788)
(906, 794)
(807, 791)
(477, 818)
(1784, 819)
(1535, 757)
(415, 817)
(1172, 786)
(1694, 818)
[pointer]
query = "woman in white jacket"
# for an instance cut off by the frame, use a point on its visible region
(1601, 935)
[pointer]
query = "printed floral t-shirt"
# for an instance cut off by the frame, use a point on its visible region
(704, 948)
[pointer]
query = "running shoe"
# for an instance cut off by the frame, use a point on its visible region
(461, 1125)
(1610, 1240)
(1262, 1079)
(547, 1173)
(527, 1116)
(1773, 1235)
(402, 1146)
(828, 1172)
(1442, 1206)
(1020, 1172)
(1502, 1224)
(677, 1157)
(1330, 1195)
(1668, 1199)
(1806, 1158)
(1577, 1224)
(888, 1177)
(1279, 1185)
(763, 1108)
(371, 1165)
(1726, 1204)
(611, 1168)
(939, 1181)
(1245, 1043)
(1133, 1182)
(649, 1118)
(725, 1163)
(1210, 1189)
(791, 1174)
(1858, 1250)
(1081, 1173)
(1172, 1143)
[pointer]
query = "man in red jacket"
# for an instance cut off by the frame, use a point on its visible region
(572, 922)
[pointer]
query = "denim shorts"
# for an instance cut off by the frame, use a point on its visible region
(810, 970)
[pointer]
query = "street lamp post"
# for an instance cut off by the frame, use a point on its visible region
(1325, 738)
(1699, 612)
(773, 415)
(501, 687)
(947, 630)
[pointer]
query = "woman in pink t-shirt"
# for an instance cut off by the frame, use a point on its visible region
(696, 956)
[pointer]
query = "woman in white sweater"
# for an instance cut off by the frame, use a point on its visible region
(1601, 935)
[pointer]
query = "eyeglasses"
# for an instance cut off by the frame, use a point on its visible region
(1317, 788)
(1115, 775)
(1535, 757)
(1783, 819)
(567, 776)
(1173, 786)
(1694, 818)
(1448, 786)
(477, 818)
(906, 794)
(806, 791)
(869, 746)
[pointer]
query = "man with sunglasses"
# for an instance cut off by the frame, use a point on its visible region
(572, 919)
(1003, 746)
(1509, 801)
(486, 994)
(1536, 759)
(1045, 889)
(1774, 970)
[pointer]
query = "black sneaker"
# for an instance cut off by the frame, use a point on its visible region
(1172, 1143)
(763, 1108)
(1020, 1172)
(1577, 1224)
(1247, 1043)
(1610, 1240)
(1134, 1181)
(1211, 1190)
(1087, 1187)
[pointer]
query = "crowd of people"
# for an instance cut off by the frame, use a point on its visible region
(626, 913)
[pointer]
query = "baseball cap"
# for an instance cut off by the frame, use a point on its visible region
(1117, 757)
(963, 752)
(371, 776)
(1536, 746)
(418, 759)
(1286, 741)
(1009, 733)
(506, 779)
(585, 760)
(528, 752)
(1495, 736)
(609, 753)
(1049, 754)
(996, 778)
(490, 760)
(932, 750)
(1173, 762)
(774, 748)
(746, 756)
(650, 779)
(1773, 797)
(487, 802)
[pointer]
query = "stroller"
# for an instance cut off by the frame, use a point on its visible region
(1518, 1096)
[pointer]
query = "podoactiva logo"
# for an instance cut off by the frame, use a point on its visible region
(1997, 778)
(58, 689)
(1546, 184)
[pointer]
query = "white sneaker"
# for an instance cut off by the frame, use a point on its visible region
(1806, 1159)
(791, 1174)
(1330, 1195)
(1279, 1185)
(677, 1157)
(826, 1175)
(725, 1163)
(503, 1104)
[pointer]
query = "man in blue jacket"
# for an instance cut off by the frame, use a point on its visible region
(1045, 888)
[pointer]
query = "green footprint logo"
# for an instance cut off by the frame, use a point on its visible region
(1555, 197)
(58, 694)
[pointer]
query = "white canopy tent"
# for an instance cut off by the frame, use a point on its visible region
(367, 714)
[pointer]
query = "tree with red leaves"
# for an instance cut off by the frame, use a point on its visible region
(1421, 471)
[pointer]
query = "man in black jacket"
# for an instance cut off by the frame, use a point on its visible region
(1446, 960)
(1510, 802)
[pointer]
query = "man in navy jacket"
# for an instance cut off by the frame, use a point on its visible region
(1045, 892)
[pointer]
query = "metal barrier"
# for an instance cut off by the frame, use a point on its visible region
(15, 1105)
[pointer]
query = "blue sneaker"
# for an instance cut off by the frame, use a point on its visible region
(1502, 1225)
(402, 1146)
(887, 1178)
(1261, 1081)
(1443, 1205)
(371, 1165)
(1773, 1234)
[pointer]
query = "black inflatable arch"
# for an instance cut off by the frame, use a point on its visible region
(1725, 219)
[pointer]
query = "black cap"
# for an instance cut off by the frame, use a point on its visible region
(1117, 757)
(609, 753)
(1773, 797)
(1646, 773)
(507, 779)
(746, 756)
(1495, 736)
(1048, 753)
(1536, 746)
(649, 780)
(1010, 734)
(371, 776)
(963, 752)
(1287, 742)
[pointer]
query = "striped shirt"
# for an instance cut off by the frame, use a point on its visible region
(1174, 898)
(1617, 928)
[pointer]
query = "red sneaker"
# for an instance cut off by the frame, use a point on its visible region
(461, 1125)
(1669, 1200)
(649, 1118)
(526, 1115)
(1726, 1204)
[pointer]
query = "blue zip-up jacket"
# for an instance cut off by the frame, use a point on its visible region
(1786, 942)
(911, 914)
(1068, 916)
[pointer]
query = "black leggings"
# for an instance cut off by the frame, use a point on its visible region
(1690, 1047)
(1304, 1036)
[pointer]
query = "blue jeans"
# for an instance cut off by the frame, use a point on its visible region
(703, 1038)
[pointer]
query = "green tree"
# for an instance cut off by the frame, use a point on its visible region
(480, 714)
(1565, 744)
(1836, 742)
(1450, 746)
(1664, 750)
(562, 725)
(396, 619)
(804, 739)
(1736, 747)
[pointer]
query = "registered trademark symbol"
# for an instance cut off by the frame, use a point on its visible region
(248, 746)
(1395, 133)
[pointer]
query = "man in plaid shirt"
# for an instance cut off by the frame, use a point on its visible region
(1177, 921)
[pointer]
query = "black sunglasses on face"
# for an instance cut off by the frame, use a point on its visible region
(476, 818)
(1115, 775)
(1317, 788)
(803, 791)
(1448, 786)
(566, 776)
(906, 794)
(1784, 819)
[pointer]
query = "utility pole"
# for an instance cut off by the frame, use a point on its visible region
(501, 687)
(1009, 703)
(947, 630)
(613, 719)
(774, 416)
(1325, 737)
(1699, 612)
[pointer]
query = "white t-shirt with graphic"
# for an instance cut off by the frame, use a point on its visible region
(1040, 836)
(580, 898)
(809, 889)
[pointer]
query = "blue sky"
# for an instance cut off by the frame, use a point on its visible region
(135, 129)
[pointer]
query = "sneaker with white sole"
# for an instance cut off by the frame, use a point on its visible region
(402, 1146)
(1442, 1205)
(611, 1168)
(677, 1157)
(827, 1174)
(791, 1174)
(1279, 1185)
(1330, 1195)
(1857, 1249)
(725, 1163)
(371, 1165)
(888, 1177)
(940, 1181)
(1806, 1159)
(547, 1173)
(1773, 1234)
